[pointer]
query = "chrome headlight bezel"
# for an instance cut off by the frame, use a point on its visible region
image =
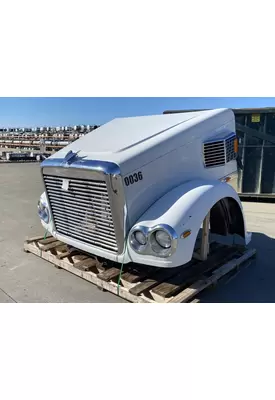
(137, 246)
(152, 247)
(156, 247)
(43, 211)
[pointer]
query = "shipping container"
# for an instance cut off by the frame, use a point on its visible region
(255, 129)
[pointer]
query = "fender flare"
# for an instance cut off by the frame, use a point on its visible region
(185, 207)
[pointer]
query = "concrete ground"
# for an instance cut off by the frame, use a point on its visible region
(26, 278)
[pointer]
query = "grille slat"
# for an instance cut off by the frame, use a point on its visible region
(66, 212)
(78, 183)
(90, 212)
(81, 194)
(69, 203)
(74, 180)
(77, 198)
(214, 151)
(71, 200)
(214, 145)
(211, 156)
(219, 152)
(96, 236)
(99, 220)
(79, 218)
(83, 235)
(79, 236)
(82, 212)
(93, 192)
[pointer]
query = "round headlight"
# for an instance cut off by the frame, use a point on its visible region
(163, 239)
(43, 212)
(140, 238)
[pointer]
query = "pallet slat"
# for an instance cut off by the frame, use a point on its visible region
(47, 240)
(86, 264)
(202, 284)
(36, 239)
(67, 253)
(109, 274)
(161, 276)
(55, 244)
(191, 271)
(156, 279)
(173, 284)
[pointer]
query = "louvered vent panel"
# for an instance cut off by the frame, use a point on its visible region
(219, 152)
(230, 153)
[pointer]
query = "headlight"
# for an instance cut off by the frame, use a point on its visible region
(138, 239)
(43, 212)
(163, 240)
(160, 240)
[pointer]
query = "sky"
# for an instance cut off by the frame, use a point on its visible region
(58, 111)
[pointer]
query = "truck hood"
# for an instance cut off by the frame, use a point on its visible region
(128, 142)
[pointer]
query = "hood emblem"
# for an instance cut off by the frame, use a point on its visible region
(70, 156)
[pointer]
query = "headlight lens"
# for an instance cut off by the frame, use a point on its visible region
(140, 237)
(163, 239)
(43, 212)
(138, 240)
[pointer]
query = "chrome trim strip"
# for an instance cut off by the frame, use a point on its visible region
(108, 168)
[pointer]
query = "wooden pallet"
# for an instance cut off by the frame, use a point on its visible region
(143, 284)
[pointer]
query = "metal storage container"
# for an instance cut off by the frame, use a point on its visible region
(256, 133)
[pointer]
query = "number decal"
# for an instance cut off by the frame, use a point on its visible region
(131, 179)
(135, 177)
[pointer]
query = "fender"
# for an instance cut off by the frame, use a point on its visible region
(184, 208)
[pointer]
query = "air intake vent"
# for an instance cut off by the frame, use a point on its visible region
(83, 211)
(229, 145)
(219, 152)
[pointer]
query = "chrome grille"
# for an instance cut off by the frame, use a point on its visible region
(81, 210)
(218, 152)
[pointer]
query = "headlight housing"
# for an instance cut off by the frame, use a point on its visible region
(43, 212)
(163, 240)
(139, 239)
(160, 240)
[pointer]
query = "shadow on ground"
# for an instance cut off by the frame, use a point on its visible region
(254, 283)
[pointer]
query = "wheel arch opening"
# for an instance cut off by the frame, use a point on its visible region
(226, 218)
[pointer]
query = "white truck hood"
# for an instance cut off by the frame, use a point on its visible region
(129, 142)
